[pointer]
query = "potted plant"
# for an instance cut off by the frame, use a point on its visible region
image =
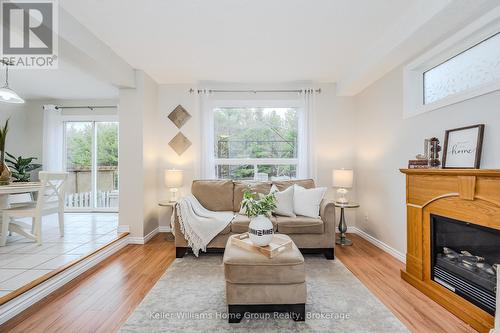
(5, 173)
(258, 208)
(22, 167)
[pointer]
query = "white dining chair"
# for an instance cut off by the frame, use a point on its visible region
(50, 200)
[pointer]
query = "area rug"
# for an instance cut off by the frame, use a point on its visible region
(190, 297)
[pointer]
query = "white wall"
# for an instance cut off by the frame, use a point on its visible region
(169, 96)
(25, 128)
(150, 152)
(138, 156)
(131, 212)
(332, 130)
(334, 137)
(385, 142)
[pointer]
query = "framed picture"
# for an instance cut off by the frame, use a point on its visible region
(462, 147)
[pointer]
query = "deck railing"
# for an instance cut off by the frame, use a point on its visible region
(107, 199)
(80, 183)
(256, 148)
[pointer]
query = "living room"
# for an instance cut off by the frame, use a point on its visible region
(275, 165)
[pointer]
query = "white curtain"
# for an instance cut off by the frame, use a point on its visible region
(52, 139)
(306, 153)
(207, 137)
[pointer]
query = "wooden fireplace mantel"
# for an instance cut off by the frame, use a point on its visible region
(471, 195)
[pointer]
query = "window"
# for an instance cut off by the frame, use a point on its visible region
(462, 67)
(472, 68)
(256, 142)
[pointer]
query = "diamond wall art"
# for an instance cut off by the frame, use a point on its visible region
(179, 116)
(179, 143)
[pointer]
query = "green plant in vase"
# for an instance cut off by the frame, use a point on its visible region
(21, 167)
(5, 172)
(258, 207)
(264, 204)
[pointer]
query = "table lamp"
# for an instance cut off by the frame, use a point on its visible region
(173, 180)
(342, 179)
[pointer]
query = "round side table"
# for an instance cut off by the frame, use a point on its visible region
(342, 240)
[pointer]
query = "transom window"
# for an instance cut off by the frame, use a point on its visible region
(476, 66)
(464, 66)
(256, 142)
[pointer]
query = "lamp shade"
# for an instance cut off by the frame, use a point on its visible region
(173, 178)
(8, 95)
(342, 178)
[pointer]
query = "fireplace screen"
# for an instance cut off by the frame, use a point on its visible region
(466, 259)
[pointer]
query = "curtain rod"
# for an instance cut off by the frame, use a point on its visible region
(90, 107)
(298, 91)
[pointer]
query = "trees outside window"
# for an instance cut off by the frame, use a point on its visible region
(251, 140)
(91, 151)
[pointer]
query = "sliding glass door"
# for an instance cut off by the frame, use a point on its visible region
(106, 181)
(91, 159)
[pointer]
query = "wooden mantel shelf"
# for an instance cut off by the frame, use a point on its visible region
(453, 172)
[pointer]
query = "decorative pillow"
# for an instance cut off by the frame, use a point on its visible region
(306, 202)
(284, 184)
(284, 201)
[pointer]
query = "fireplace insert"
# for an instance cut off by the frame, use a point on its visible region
(466, 259)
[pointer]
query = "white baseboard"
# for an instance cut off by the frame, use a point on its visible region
(164, 228)
(30, 297)
(151, 235)
(351, 230)
(378, 243)
(143, 240)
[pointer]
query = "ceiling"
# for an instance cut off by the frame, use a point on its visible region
(179, 41)
(65, 82)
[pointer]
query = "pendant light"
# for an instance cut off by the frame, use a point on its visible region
(8, 95)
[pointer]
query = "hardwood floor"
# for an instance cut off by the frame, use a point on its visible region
(103, 298)
(379, 272)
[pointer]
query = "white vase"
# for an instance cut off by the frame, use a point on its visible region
(260, 230)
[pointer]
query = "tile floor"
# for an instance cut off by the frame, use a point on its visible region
(22, 261)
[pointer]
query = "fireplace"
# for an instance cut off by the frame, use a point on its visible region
(453, 240)
(465, 258)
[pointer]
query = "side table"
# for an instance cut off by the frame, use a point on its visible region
(342, 240)
(166, 203)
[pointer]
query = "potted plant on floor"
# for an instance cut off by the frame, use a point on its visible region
(5, 172)
(258, 207)
(21, 167)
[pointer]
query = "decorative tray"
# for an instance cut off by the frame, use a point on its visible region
(278, 245)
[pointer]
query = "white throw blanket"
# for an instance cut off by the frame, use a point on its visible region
(198, 224)
(497, 316)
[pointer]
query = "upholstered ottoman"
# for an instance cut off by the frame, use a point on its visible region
(258, 284)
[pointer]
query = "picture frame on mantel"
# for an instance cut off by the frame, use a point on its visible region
(463, 147)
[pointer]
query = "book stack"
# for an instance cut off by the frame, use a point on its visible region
(418, 164)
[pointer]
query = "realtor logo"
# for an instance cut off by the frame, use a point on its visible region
(29, 38)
